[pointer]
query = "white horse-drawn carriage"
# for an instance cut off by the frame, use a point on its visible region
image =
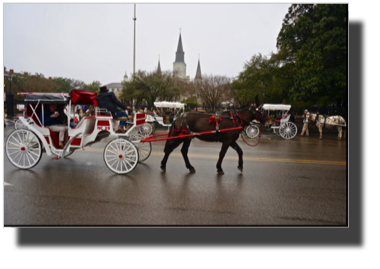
(282, 126)
(24, 146)
(155, 119)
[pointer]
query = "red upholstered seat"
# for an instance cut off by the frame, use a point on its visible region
(278, 120)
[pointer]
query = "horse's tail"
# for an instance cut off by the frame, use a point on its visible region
(343, 122)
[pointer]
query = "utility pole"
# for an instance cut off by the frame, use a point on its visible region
(134, 55)
(134, 42)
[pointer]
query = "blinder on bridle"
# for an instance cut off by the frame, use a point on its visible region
(307, 117)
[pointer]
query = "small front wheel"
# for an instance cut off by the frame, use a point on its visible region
(144, 148)
(23, 149)
(145, 130)
(121, 156)
(251, 131)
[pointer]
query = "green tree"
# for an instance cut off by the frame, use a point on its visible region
(150, 86)
(63, 84)
(37, 83)
(92, 87)
(256, 78)
(313, 38)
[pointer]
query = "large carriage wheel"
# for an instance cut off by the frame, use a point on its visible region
(23, 149)
(121, 156)
(19, 125)
(251, 131)
(144, 148)
(288, 130)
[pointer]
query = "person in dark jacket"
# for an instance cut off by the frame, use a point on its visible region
(109, 101)
(51, 118)
(171, 115)
(292, 117)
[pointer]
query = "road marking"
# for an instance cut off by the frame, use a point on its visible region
(245, 158)
(7, 184)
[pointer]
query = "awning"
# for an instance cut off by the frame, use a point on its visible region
(47, 99)
(276, 107)
(165, 104)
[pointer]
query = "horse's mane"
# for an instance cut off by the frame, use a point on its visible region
(243, 107)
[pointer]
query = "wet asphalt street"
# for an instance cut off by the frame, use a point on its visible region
(285, 182)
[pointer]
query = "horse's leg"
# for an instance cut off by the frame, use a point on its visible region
(222, 153)
(339, 132)
(236, 147)
(184, 150)
(169, 149)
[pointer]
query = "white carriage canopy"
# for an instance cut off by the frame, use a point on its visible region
(165, 104)
(276, 107)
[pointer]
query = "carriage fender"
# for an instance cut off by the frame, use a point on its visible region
(37, 133)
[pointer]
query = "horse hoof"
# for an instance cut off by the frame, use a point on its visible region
(163, 169)
(192, 170)
(241, 169)
(221, 173)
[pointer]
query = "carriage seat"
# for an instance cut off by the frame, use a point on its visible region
(86, 126)
(284, 118)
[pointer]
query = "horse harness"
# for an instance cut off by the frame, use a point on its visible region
(317, 118)
(236, 118)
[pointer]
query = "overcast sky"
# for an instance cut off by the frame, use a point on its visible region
(92, 42)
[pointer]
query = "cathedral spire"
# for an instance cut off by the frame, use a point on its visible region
(159, 66)
(180, 54)
(198, 75)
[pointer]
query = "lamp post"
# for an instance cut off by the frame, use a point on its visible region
(264, 97)
(10, 97)
(134, 56)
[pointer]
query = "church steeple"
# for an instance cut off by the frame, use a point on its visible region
(198, 75)
(180, 54)
(159, 66)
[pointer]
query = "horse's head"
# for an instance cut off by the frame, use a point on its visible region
(308, 118)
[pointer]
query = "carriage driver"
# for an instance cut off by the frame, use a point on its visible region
(109, 101)
(55, 122)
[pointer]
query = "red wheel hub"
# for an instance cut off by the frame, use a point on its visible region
(120, 156)
(22, 148)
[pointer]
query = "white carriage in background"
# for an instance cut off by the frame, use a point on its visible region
(24, 146)
(154, 119)
(282, 127)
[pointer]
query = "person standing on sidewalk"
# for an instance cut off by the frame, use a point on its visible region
(303, 123)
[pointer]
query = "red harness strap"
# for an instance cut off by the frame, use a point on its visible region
(242, 123)
(215, 119)
(233, 118)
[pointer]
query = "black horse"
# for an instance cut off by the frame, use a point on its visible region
(200, 122)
